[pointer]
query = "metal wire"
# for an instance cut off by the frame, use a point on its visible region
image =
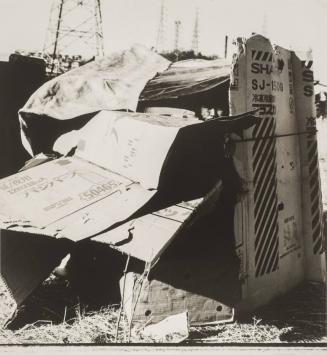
(311, 132)
(122, 297)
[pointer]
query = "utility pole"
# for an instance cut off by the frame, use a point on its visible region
(75, 30)
(195, 40)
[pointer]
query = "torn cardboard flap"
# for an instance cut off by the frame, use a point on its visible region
(144, 238)
(147, 237)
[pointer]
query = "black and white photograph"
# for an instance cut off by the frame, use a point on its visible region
(163, 175)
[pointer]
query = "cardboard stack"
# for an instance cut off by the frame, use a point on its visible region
(161, 189)
(136, 182)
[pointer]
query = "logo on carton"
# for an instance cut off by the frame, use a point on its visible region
(264, 62)
(99, 190)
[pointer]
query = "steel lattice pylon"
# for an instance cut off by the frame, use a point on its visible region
(75, 30)
(161, 35)
(195, 39)
(177, 32)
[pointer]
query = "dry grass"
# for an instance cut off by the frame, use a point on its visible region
(297, 317)
(54, 315)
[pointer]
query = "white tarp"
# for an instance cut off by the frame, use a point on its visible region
(113, 83)
(187, 77)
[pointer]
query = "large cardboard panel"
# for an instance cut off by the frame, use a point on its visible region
(147, 237)
(182, 285)
(243, 211)
(288, 173)
(322, 152)
(197, 273)
(268, 221)
(315, 264)
(132, 144)
(144, 238)
(68, 197)
(170, 153)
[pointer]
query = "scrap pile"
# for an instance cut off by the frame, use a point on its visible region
(158, 189)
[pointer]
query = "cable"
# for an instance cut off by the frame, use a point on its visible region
(311, 132)
(319, 83)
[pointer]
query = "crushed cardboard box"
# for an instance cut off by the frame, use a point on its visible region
(130, 184)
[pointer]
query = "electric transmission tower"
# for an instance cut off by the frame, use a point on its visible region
(177, 30)
(160, 42)
(195, 39)
(75, 30)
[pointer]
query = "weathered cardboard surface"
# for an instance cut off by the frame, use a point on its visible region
(68, 197)
(170, 153)
(265, 256)
(75, 199)
(273, 221)
(322, 151)
(262, 79)
(313, 246)
(147, 237)
(204, 288)
(197, 273)
(134, 145)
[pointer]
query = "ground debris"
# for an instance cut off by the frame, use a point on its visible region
(297, 317)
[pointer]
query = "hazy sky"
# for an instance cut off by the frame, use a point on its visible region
(300, 24)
